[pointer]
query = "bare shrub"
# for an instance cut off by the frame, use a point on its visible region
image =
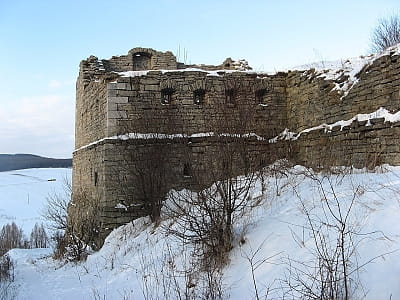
(55, 209)
(178, 278)
(6, 268)
(386, 33)
(75, 224)
(83, 226)
(206, 218)
(7, 291)
(55, 213)
(332, 271)
(255, 261)
(60, 248)
(211, 285)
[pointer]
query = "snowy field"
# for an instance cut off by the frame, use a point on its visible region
(23, 194)
(140, 261)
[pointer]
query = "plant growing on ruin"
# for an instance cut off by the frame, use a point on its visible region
(386, 33)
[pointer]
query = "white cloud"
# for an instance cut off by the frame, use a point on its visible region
(40, 125)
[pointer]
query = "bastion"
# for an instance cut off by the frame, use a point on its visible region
(146, 124)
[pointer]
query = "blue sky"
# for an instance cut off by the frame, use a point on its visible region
(42, 43)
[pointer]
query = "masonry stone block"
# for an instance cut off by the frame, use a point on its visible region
(117, 115)
(111, 123)
(118, 99)
(112, 86)
(112, 92)
(112, 106)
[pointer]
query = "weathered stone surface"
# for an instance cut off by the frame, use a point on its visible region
(154, 102)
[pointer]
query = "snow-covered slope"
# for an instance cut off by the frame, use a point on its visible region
(23, 194)
(138, 259)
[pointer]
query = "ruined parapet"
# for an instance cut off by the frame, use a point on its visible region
(228, 64)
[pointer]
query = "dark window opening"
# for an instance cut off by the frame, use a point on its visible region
(141, 61)
(260, 94)
(225, 165)
(262, 163)
(96, 178)
(187, 170)
(230, 96)
(166, 96)
(227, 65)
(198, 96)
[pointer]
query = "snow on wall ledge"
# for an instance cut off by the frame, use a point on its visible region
(359, 120)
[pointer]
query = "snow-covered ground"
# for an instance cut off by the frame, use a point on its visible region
(23, 194)
(140, 261)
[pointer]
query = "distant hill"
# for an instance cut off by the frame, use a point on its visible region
(9, 162)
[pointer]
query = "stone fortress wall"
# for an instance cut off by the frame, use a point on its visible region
(182, 118)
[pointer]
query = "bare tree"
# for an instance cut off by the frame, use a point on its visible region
(11, 236)
(55, 212)
(75, 222)
(55, 209)
(386, 33)
(205, 218)
(150, 179)
(144, 174)
(39, 238)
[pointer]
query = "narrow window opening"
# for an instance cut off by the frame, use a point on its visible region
(198, 96)
(225, 165)
(260, 95)
(187, 170)
(230, 96)
(262, 163)
(166, 96)
(96, 178)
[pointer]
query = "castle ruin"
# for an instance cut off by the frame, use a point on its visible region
(146, 123)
